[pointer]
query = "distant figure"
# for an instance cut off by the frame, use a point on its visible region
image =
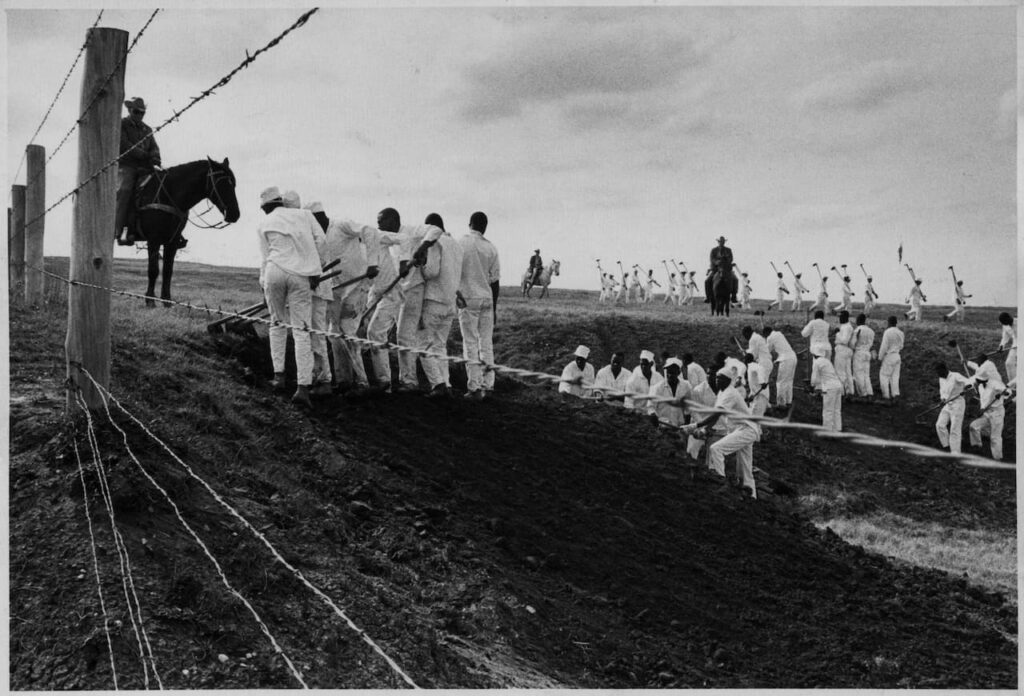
(481, 271)
(780, 292)
(869, 297)
(536, 266)
(915, 298)
(847, 303)
(141, 155)
(799, 289)
(745, 292)
(959, 302)
(721, 260)
(843, 359)
(825, 381)
(649, 286)
(822, 301)
(786, 359)
(1009, 339)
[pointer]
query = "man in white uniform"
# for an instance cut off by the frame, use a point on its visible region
(847, 303)
(643, 378)
(959, 302)
(612, 377)
(577, 376)
(412, 242)
(799, 289)
(950, 423)
(1009, 339)
(742, 433)
(745, 291)
(915, 298)
(288, 273)
(442, 275)
(672, 387)
(817, 331)
(843, 361)
(863, 340)
(822, 301)
(321, 297)
(692, 372)
(889, 369)
(757, 386)
(758, 347)
(991, 391)
(869, 297)
(826, 382)
(481, 271)
(780, 293)
(649, 286)
(786, 359)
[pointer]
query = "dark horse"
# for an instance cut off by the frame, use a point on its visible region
(164, 201)
(721, 289)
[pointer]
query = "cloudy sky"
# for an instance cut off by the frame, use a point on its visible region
(808, 134)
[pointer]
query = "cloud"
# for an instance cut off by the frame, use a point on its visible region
(869, 87)
(569, 63)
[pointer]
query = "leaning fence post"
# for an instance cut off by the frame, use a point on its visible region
(35, 207)
(92, 234)
(16, 247)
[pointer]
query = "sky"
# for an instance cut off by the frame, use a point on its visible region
(827, 135)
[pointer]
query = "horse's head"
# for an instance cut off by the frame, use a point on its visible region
(220, 189)
(555, 265)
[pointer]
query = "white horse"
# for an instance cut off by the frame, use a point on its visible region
(544, 280)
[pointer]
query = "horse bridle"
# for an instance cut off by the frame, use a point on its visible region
(211, 191)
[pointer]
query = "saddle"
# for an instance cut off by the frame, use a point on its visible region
(147, 195)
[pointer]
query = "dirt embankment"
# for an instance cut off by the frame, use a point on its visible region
(522, 541)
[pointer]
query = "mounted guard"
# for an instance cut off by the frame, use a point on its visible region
(140, 155)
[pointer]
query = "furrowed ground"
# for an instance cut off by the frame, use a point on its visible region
(525, 541)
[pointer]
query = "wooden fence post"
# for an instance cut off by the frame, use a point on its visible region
(16, 260)
(92, 234)
(35, 205)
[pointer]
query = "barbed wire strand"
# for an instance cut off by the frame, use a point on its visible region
(100, 91)
(60, 90)
(127, 579)
(216, 564)
(95, 562)
(692, 406)
(177, 114)
(259, 535)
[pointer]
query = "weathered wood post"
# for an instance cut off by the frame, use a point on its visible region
(92, 233)
(16, 247)
(35, 222)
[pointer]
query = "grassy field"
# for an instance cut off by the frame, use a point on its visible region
(440, 524)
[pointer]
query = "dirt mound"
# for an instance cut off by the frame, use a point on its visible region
(522, 541)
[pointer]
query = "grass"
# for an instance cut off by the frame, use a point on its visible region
(986, 558)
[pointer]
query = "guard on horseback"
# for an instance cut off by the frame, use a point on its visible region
(721, 261)
(140, 157)
(536, 266)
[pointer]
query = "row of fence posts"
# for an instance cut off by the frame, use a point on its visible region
(92, 234)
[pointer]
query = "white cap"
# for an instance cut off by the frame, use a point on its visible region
(291, 199)
(674, 361)
(270, 195)
(582, 352)
(647, 355)
(315, 207)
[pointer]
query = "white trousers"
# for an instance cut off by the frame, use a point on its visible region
(1011, 364)
(832, 410)
(869, 304)
(780, 297)
(843, 362)
(889, 375)
(321, 365)
(741, 441)
(914, 314)
(383, 319)
(784, 381)
(950, 424)
(290, 301)
(862, 373)
(409, 335)
(796, 304)
(344, 312)
(437, 324)
(476, 322)
(991, 425)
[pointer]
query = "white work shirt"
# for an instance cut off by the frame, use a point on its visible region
(480, 266)
(817, 331)
(731, 399)
(403, 245)
(355, 244)
(443, 270)
(758, 347)
(952, 385)
(823, 375)
(664, 410)
(778, 343)
(1009, 337)
(641, 385)
(606, 380)
(756, 379)
(916, 295)
(960, 295)
(844, 337)
(695, 374)
(986, 372)
(572, 371)
(892, 342)
(863, 338)
(738, 367)
(703, 394)
(782, 286)
(288, 240)
(387, 267)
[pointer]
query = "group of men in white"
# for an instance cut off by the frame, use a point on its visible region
(840, 367)
(414, 279)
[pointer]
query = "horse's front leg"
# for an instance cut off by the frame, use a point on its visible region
(153, 250)
(165, 288)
